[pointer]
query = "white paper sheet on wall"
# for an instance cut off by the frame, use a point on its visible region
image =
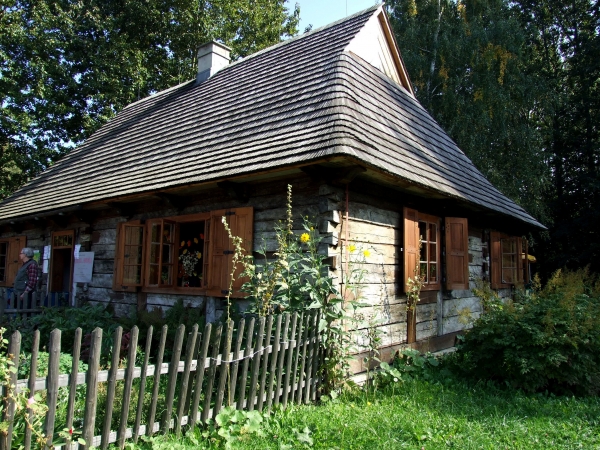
(45, 266)
(76, 251)
(46, 252)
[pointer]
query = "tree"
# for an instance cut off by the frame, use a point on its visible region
(66, 66)
(468, 61)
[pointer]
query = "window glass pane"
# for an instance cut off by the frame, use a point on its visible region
(154, 232)
(168, 233)
(132, 275)
(167, 254)
(153, 276)
(509, 275)
(509, 261)
(423, 231)
(165, 276)
(423, 255)
(154, 253)
(509, 246)
(433, 232)
(424, 271)
(432, 272)
(433, 252)
(190, 255)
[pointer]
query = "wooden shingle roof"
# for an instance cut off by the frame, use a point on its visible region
(302, 100)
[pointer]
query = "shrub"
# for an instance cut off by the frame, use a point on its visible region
(545, 340)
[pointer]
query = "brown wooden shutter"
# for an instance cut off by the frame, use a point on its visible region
(457, 253)
(129, 235)
(411, 244)
(240, 221)
(15, 245)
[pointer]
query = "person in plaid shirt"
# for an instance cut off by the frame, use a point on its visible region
(27, 275)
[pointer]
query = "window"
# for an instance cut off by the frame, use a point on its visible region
(190, 253)
(507, 256)
(424, 230)
(9, 258)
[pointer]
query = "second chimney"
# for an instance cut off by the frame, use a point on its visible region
(212, 57)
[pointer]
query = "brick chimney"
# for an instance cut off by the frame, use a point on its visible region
(212, 57)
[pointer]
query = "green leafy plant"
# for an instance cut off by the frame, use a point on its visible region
(545, 340)
(232, 425)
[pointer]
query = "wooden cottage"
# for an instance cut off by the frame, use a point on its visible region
(331, 112)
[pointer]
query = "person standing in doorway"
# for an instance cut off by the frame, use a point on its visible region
(27, 275)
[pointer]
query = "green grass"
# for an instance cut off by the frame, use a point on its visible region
(418, 414)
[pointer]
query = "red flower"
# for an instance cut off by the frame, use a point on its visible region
(189, 243)
(71, 431)
(201, 235)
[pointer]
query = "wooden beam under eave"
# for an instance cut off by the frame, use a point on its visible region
(236, 191)
(172, 201)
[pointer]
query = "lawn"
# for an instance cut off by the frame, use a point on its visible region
(423, 415)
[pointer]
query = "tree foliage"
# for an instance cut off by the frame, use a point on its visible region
(468, 64)
(517, 86)
(67, 66)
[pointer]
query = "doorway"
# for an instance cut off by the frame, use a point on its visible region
(61, 268)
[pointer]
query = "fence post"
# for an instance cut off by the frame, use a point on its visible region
(91, 396)
(258, 352)
(265, 356)
(282, 352)
(236, 362)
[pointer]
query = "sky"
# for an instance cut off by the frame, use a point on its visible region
(323, 12)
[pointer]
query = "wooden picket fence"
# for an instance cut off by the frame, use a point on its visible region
(31, 304)
(251, 365)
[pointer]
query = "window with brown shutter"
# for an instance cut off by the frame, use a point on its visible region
(411, 244)
(457, 253)
(422, 230)
(188, 253)
(9, 258)
(507, 257)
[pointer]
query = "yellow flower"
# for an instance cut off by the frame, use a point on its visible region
(304, 238)
(198, 255)
(368, 403)
(184, 251)
(182, 243)
(195, 240)
(367, 253)
(352, 248)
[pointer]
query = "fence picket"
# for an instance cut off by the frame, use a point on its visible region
(142, 390)
(74, 372)
(300, 390)
(283, 349)
(14, 348)
(35, 348)
(274, 353)
(91, 396)
(236, 363)
(172, 378)
(155, 387)
(127, 386)
(260, 339)
(310, 357)
(224, 372)
(112, 384)
(193, 413)
(244, 374)
(211, 373)
(52, 391)
(189, 354)
(316, 358)
(294, 372)
(290, 353)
